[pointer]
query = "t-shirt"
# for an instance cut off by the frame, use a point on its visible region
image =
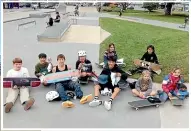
(23, 72)
(41, 68)
(150, 57)
(66, 69)
(87, 66)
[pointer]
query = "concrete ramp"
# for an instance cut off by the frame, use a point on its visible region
(82, 34)
(39, 15)
(54, 33)
(61, 8)
(88, 9)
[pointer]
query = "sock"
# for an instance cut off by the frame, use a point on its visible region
(96, 98)
(110, 100)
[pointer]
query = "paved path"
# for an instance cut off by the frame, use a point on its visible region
(24, 44)
(147, 21)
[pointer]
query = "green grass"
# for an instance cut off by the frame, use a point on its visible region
(131, 40)
(176, 17)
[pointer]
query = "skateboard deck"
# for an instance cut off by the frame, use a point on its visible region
(145, 64)
(61, 76)
(9, 82)
(142, 103)
(176, 101)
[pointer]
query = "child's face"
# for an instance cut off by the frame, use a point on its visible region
(82, 59)
(111, 48)
(61, 61)
(17, 66)
(176, 73)
(42, 60)
(146, 77)
(111, 64)
(150, 50)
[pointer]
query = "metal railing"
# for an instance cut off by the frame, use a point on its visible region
(25, 23)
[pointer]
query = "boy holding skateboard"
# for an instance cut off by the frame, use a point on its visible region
(105, 80)
(84, 66)
(149, 56)
(70, 85)
(18, 71)
(144, 86)
(43, 67)
(170, 85)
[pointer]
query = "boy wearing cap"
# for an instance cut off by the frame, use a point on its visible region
(105, 81)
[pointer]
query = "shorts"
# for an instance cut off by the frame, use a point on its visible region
(109, 86)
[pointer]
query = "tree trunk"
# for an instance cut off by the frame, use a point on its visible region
(168, 8)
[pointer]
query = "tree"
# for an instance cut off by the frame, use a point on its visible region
(168, 9)
(150, 6)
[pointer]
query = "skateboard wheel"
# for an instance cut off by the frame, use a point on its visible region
(136, 109)
(157, 106)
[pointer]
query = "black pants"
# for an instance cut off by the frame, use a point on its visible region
(140, 70)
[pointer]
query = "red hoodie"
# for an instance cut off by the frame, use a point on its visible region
(170, 82)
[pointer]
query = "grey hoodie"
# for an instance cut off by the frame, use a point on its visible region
(148, 90)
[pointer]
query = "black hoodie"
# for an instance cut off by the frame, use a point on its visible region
(150, 57)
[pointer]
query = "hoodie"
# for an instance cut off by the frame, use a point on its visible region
(170, 83)
(150, 57)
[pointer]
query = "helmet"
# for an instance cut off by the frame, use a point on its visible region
(51, 95)
(81, 53)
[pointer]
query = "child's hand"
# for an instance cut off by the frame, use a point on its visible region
(169, 95)
(118, 74)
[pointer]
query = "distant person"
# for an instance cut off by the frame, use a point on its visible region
(99, 8)
(50, 22)
(121, 10)
(14, 92)
(57, 20)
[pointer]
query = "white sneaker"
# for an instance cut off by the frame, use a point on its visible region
(95, 103)
(107, 105)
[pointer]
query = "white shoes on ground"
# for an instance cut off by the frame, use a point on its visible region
(94, 103)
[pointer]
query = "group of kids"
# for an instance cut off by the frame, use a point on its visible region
(172, 84)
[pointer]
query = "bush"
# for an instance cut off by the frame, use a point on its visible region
(150, 6)
(112, 5)
(109, 9)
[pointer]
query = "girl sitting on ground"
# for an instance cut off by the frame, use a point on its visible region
(110, 52)
(144, 86)
(170, 84)
(149, 56)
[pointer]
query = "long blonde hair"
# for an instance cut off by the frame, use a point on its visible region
(145, 83)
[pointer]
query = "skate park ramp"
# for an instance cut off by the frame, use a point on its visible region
(82, 34)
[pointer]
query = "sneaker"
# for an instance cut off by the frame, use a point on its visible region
(67, 104)
(107, 105)
(95, 103)
(8, 107)
(29, 104)
(86, 99)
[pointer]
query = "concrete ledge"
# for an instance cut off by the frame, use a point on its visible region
(25, 23)
(39, 15)
(54, 33)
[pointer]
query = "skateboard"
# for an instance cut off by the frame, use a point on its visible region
(119, 62)
(142, 103)
(9, 82)
(148, 65)
(61, 76)
(176, 101)
(94, 76)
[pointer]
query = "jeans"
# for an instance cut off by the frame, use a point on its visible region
(62, 87)
(164, 96)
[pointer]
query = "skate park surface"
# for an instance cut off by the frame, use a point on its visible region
(43, 114)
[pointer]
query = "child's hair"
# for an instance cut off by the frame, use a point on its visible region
(175, 69)
(60, 56)
(111, 44)
(152, 47)
(42, 55)
(57, 12)
(17, 60)
(146, 72)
